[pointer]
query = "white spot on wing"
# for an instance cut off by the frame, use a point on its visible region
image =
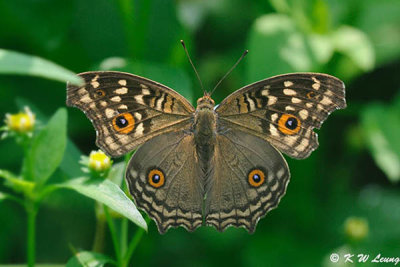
(328, 93)
(145, 91)
(326, 101)
(317, 84)
(138, 116)
(139, 130)
(272, 100)
(303, 114)
(265, 92)
(273, 130)
(139, 99)
(251, 102)
(86, 99)
(159, 102)
(289, 92)
(295, 100)
(116, 99)
(274, 116)
(121, 91)
(287, 83)
(94, 82)
(110, 113)
(122, 82)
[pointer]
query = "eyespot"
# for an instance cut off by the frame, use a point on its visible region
(100, 93)
(156, 177)
(256, 177)
(124, 123)
(289, 124)
(311, 95)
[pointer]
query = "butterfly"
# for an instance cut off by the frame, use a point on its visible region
(213, 165)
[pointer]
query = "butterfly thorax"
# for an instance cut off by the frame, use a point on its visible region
(204, 129)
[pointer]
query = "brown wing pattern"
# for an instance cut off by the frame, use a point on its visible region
(285, 109)
(127, 110)
(164, 178)
(235, 197)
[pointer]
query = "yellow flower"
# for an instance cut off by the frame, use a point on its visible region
(22, 122)
(356, 228)
(98, 161)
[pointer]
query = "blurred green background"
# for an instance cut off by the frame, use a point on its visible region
(344, 198)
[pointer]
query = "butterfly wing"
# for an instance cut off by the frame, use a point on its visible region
(284, 109)
(164, 179)
(127, 110)
(249, 177)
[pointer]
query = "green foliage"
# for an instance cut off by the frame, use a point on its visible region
(43, 155)
(108, 193)
(382, 136)
(353, 174)
(86, 258)
(47, 149)
(12, 62)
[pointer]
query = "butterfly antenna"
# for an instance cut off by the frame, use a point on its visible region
(191, 63)
(229, 71)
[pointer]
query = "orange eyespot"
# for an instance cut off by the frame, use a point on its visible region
(256, 177)
(100, 93)
(289, 124)
(311, 94)
(156, 177)
(124, 123)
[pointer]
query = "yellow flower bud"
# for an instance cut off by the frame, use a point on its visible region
(356, 228)
(21, 122)
(98, 161)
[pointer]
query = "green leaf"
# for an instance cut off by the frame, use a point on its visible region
(4, 196)
(277, 46)
(355, 44)
(12, 62)
(381, 126)
(70, 162)
(47, 149)
(117, 173)
(92, 259)
(108, 193)
(16, 183)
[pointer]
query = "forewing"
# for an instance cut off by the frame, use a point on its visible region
(127, 110)
(284, 109)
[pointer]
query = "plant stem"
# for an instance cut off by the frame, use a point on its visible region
(124, 236)
(98, 243)
(114, 235)
(133, 244)
(31, 209)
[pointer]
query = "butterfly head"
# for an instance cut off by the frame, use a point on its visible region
(205, 102)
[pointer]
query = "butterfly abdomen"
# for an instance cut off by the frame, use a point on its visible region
(204, 129)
